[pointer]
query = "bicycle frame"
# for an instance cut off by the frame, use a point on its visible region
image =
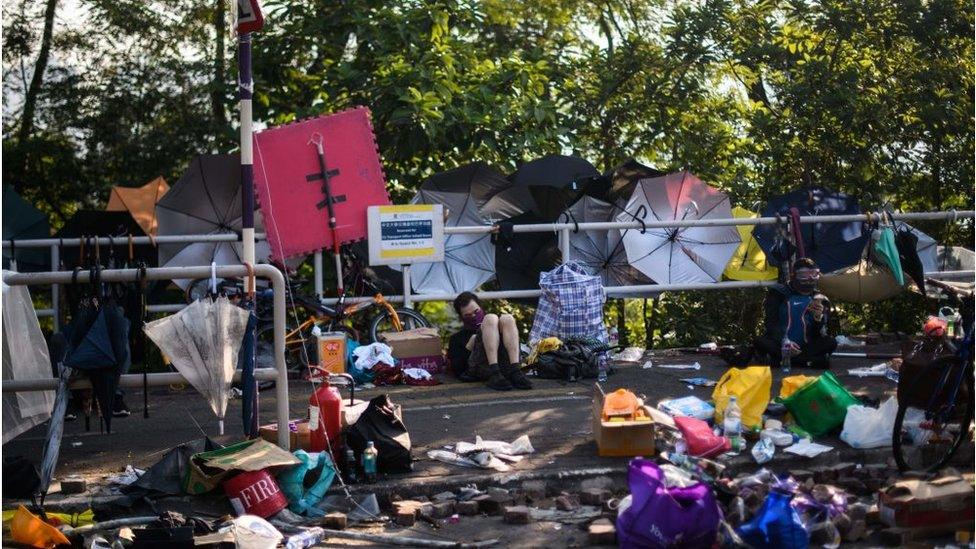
(944, 413)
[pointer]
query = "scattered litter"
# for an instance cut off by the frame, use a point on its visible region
(76, 444)
(127, 477)
(446, 416)
(368, 356)
(845, 341)
(699, 381)
(777, 436)
(255, 533)
(648, 365)
(866, 427)
(808, 448)
(689, 406)
(485, 454)
(630, 354)
(519, 446)
(695, 366)
(878, 370)
(710, 346)
(763, 451)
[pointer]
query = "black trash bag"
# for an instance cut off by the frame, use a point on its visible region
(578, 358)
(381, 423)
(166, 476)
(20, 477)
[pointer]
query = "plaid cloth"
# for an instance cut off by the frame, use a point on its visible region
(571, 305)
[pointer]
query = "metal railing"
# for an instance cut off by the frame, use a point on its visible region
(279, 373)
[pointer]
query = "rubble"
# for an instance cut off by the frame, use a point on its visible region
(602, 532)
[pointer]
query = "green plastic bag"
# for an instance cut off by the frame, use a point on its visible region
(292, 482)
(821, 405)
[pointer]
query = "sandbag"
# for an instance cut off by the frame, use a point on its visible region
(866, 427)
(701, 441)
(659, 516)
(381, 423)
(292, 482)
(751, 387)
(776, 525)
(820, 406)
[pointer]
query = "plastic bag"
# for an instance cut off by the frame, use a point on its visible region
(792, 384)
(866, 427)
(820, 406)
(292, 482)
(776, 526)
(701, 441)
(666, 517)
(689, 406)
(763, 450)
(359, 375)
(751, 387)
(381, 423)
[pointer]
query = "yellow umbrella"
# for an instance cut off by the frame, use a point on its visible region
(749, 261)
(140, 202)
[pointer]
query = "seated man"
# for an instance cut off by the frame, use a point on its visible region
(474, 350)
(797, 312)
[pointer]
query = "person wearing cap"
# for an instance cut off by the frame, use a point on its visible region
(799, 313)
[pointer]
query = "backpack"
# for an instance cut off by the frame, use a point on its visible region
(578, 358)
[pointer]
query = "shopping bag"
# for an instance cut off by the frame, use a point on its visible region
(820, 406)
(292, 482)
(866, 427)
(751, 387)
(792, 384)
(382, 424)
(776, 526)
(701, 441)
(666, 517)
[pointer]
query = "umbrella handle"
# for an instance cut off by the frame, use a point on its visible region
(642, 211)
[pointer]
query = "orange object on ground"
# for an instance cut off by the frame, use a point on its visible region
(29, 529)
(622, 405)
(140, 202)
(332, 352)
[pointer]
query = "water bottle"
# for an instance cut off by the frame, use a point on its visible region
(602, 376)
(732, 423)
(350, 468)
(369, 462)
(308, 538)
(614, 337)
(787, 355)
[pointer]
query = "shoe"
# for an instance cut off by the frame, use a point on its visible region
(513, 373)
(70, 416)
(496, 380)
(119, 409)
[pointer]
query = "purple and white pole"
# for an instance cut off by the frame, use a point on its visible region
(245, 89)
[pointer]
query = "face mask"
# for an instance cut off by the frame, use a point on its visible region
(806, 280)
(474, 321)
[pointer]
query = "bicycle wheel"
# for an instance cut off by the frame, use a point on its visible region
(295, 359)
(408, 317)
(931, 426)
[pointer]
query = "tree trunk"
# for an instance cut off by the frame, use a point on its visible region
(219, 77)
(624, 337)
(30, 98)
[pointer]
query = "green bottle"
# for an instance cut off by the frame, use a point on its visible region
(369, 462)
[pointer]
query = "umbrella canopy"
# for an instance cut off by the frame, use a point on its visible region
(166, 476)
(749, 261)
(954, 258)
(474, 194)
(555, 181)
(926, 247)
(203, 341)
(679, 255)
(55, 432)
(520, 258)
(865, 282)
(23, 221)
(833, 246)
(140, 202)
(601, 253)
(624, 178)
(117, 225)
(205, 200)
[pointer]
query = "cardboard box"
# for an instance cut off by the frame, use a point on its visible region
(299, 436)
(920, 503)
(417, 348)
(621, 438)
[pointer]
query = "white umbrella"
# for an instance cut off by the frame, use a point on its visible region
(203, 341)
(679, 255)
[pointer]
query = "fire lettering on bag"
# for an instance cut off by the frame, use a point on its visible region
(258, 492)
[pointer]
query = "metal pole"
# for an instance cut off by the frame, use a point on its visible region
(407, 301)
(317, 274)
(245, 90)
(140, 240)
(56, 289)
(564, 244)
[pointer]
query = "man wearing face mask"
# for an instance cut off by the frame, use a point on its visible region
(486, 348)
(796, 320)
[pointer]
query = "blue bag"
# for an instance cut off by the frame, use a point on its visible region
(292, 482)
(776, 525)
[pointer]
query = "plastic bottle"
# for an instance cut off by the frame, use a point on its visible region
(602, 376)
(614, 336)
(732, 423)
(786, 354)
(369, 462)
(350, 468)
(308, 538)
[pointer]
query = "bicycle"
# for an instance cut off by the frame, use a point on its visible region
(935, 402)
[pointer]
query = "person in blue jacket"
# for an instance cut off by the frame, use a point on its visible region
(797, 311)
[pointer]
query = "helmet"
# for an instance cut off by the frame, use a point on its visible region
(934, 327)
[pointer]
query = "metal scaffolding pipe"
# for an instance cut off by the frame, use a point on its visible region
(120, 240)
(167, 273)
(128, 380)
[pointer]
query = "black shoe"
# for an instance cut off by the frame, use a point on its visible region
(119, 409)
(513, 373)
(496, 380)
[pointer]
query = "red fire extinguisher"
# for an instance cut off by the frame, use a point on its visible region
(325, 415)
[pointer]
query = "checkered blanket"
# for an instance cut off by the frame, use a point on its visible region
(571, 305)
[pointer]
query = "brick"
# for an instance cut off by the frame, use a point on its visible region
(534, 489)
(594, 496)
(602, 532)
(406, 517)
(517, 514)
(857, 511)
(426, 511)
(492, 505)
(466, 508)
(444, 496)
(567, 503)
(823, 475)
(335, 521)
(408, 505)
(74, 485)
(605, 483)
(443, 509)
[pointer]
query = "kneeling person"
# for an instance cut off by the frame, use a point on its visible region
(487, 347)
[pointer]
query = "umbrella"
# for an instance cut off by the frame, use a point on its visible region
(749, 261)
(55, 432)
(601, 252)
(555, 181)
(117, 225)
(624, 178)
(520, 258)
(245, 363)
(23, 221)
(203, 342)
(205, 200)
(474, 194)
(679, 255)
(833, 246)
(166, 476)
(864, 282)
(140, 202)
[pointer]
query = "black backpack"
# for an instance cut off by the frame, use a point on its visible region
(577, 359)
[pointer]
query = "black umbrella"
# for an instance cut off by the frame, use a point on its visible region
(22, 221)
(623, 179)
(55, 431)
(115, 225)
(907, 244)
(166, 476)
(520, 258)
(556, 181)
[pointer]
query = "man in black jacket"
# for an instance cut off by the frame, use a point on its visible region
(475, 350)
(796, 320)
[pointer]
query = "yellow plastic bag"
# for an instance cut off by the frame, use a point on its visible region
(751, 387)
(792, 384)
(29, 529)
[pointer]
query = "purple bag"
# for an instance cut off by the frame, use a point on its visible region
(666, 517)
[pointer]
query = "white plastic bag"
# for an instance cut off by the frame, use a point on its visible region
(866, 427)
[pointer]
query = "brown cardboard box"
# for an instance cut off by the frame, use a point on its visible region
(921, 503)
(417, 348)
(299, 437)
(621, 438)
